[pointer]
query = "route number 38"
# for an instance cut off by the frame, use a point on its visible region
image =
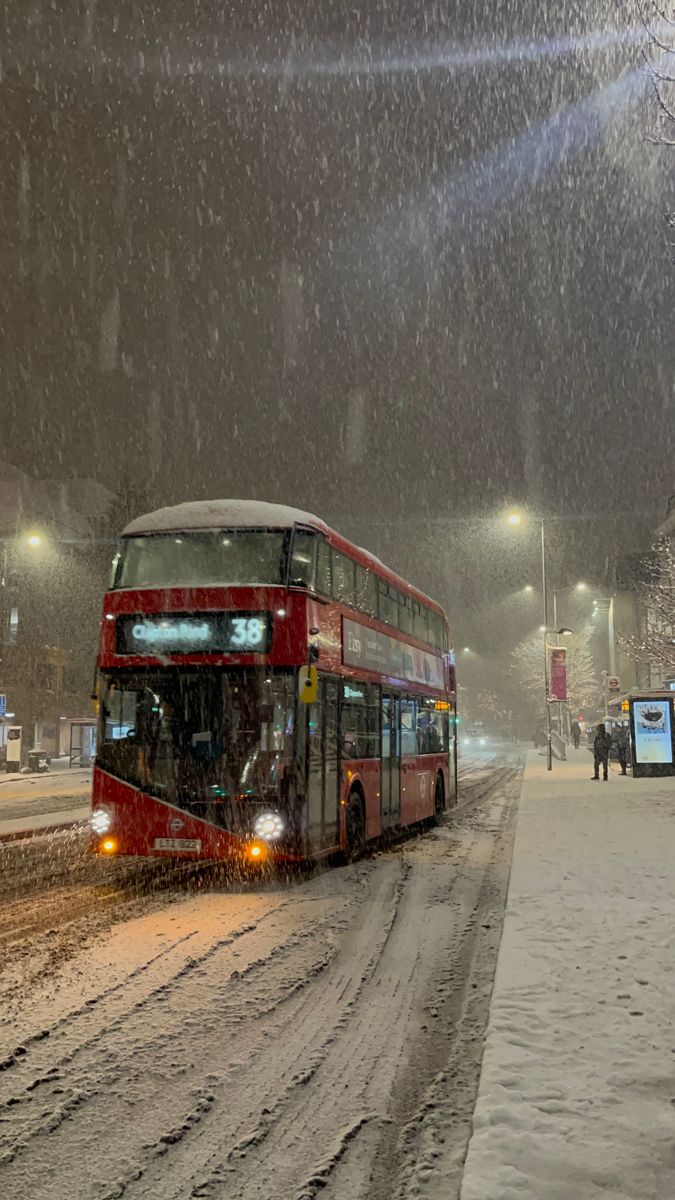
(247, 631)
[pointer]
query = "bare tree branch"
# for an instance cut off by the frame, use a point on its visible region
(655, 645)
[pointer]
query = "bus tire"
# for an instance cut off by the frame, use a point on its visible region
(439, 799)
(355, 826)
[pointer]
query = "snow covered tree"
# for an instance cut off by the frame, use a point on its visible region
(655, 644)
(582, 681)
(658, 18)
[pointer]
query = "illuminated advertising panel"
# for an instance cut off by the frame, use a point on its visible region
(653, 737)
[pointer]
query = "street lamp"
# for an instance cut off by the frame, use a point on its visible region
(528, 588)
(34, 539)
(515, 519)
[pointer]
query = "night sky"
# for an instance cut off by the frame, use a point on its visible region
(395, 263)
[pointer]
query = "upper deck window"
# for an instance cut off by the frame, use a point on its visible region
(194, 559)
(303, 559)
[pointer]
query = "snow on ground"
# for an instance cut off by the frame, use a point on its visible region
(38, 801)
(257, 1041)
(577, 1096)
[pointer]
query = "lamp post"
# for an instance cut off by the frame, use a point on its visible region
(515, 519)
(549, 752)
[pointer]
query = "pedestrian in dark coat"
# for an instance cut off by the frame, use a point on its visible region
(601, 747)
(622, 747)
(576, 734)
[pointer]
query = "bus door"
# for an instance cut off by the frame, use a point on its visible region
(323, 769)
(391, 761)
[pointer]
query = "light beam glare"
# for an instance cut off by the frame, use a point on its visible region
(477, 200)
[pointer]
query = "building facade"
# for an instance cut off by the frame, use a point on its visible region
(52, 573)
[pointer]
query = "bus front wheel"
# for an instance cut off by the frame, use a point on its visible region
(355, 826)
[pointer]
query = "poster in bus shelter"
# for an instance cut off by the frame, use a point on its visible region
(558, 674)
(653, 739)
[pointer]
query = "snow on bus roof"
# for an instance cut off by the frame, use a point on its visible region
(241, 514)
(221, 514)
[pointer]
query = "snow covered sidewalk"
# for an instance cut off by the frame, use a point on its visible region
(577, 1094)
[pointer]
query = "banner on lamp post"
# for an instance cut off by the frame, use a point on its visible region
(558, 674)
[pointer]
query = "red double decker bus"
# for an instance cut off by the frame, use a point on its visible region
(266, 689)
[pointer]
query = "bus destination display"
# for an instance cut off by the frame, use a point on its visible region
(195, 633)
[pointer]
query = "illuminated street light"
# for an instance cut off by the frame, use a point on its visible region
(528, 588)
(514, 518)
(581, 587)
(34, 539)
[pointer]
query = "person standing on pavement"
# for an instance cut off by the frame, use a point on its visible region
(622, 747)
(601, 747)
(575, 730)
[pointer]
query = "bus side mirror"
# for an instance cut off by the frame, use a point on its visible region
(308, 685)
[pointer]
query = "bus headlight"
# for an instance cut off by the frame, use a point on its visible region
(100, 820)
(268, 826)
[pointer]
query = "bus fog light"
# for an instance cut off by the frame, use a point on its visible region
(100, 820)
(268, 826)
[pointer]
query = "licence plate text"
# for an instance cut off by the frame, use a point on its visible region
(178, 844)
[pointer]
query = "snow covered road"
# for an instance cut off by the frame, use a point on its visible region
(31, 801)
(320, 1034)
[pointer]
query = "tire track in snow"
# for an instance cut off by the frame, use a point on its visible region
(284, 1064)
(301, 1039)
(71, 1039)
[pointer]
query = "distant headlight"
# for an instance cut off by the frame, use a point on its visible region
(268, 826)
(100, 820)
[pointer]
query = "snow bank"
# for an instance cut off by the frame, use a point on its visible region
(222, 514)
(577, 1096)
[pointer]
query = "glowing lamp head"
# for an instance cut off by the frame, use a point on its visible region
(514, 518)
(34, 539)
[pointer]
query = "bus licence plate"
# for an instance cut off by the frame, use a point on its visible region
(178, 844)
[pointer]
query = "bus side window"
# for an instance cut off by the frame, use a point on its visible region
(420, 621)
(343, 578)
(408, 726)
(366, 592)
(405, 617)
(435, 631)
(388, 604)
(360, 721)
(431, 729)
(323, 572)
(303, 559)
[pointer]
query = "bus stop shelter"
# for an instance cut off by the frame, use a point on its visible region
(652, 730)
(82, 742)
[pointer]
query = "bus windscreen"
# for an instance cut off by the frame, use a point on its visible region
(212, 557)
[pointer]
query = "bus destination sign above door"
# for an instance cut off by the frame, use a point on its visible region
(195, 633)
